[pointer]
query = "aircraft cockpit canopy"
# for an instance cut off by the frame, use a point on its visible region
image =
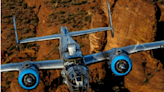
(72, 49)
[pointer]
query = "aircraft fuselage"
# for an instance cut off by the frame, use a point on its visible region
(75, 72)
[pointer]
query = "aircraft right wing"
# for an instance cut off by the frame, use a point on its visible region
(118, 58)
(46, 64)
(107, 55)
(97, 57)
(143, 47)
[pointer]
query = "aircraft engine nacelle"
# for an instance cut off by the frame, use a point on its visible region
(121, 65)
(28, 78)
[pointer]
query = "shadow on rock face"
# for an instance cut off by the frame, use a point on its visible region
(159, 36)
(49, 82)
(110, 83)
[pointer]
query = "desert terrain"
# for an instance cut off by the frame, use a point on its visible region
(134, 21)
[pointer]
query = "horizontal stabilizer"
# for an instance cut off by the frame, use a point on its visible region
(42, 38)
(88, 31)
(58, 36)
(82, 32)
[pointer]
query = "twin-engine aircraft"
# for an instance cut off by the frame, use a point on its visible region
(72, 62)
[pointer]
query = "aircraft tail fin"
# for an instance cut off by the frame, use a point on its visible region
(110, 17)
(16, 35)
(93, 30)
(58, 36)
(42, 38)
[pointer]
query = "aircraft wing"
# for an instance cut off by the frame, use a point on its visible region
(143, 47)
(42, 38)
(93, 58)
(49, 64)
(46, 64)
(106, 55)
(77, 33)
(11, 67)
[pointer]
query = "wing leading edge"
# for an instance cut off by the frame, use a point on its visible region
(46, 64)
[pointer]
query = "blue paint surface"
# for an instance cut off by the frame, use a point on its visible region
(121, 57)
(28, 71)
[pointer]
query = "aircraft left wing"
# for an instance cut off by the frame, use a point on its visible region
(46, 64)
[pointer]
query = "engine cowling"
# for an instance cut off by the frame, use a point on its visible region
(121, 65)
(29, 78)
